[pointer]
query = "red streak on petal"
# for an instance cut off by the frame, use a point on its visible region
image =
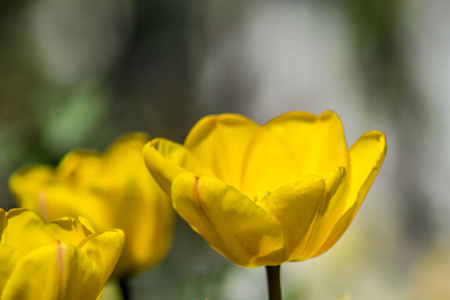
(196, 195)
(60, 268)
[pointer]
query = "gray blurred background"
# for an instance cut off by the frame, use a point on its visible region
(76, 74)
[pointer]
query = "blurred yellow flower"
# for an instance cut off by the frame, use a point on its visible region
(264, 195)
(62, 260)
(111, 190)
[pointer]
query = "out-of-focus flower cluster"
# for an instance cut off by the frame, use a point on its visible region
(112, 190)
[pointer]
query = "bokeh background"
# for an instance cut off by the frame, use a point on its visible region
(76, 74)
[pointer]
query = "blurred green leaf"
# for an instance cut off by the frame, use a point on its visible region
(70, 122)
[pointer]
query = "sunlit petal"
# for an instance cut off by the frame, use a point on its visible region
(231, 223)
(18, 221)
(220, 143)
(9, 258)
(366, 157)
(60, 271)
(290, 147)
(166, 159)
(318, 143)
(338, 229)
(69, 230)
(104, 248)
(295, 207)
(328, 213)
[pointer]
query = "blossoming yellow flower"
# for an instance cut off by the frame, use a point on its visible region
(112, 190)
(264, 195)
(62, 260)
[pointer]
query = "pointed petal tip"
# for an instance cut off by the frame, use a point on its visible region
(367, 155)
(308, 117)
(165, 160)
(376, 136)
(328, 114)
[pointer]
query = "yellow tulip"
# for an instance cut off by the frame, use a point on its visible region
(111, 190)
(62, 260)
(264, 195)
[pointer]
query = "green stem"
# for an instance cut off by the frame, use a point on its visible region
(273, 282)
(124, 285)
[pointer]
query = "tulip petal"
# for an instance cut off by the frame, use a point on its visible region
(147, 225)
(131, 142)
(124, 163)
(328, 213)
(2, 222)
(99, 297)
(86, 223)
(19, 221)
(79, 168)
(366, 157)
(319, 142)
(338, 229)
(129, 180)
(104, 248)
(166, 159)
(28, 182)
(292, 146)
(63, 201)
(53, 272)
(295, 206)
(44, 190)
(159, 233)
(9, 257)
(230, 222)
(69, 230)
(268, 165)
(220, 143)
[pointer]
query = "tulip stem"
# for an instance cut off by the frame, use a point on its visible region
(124, 288)
(273, 282)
